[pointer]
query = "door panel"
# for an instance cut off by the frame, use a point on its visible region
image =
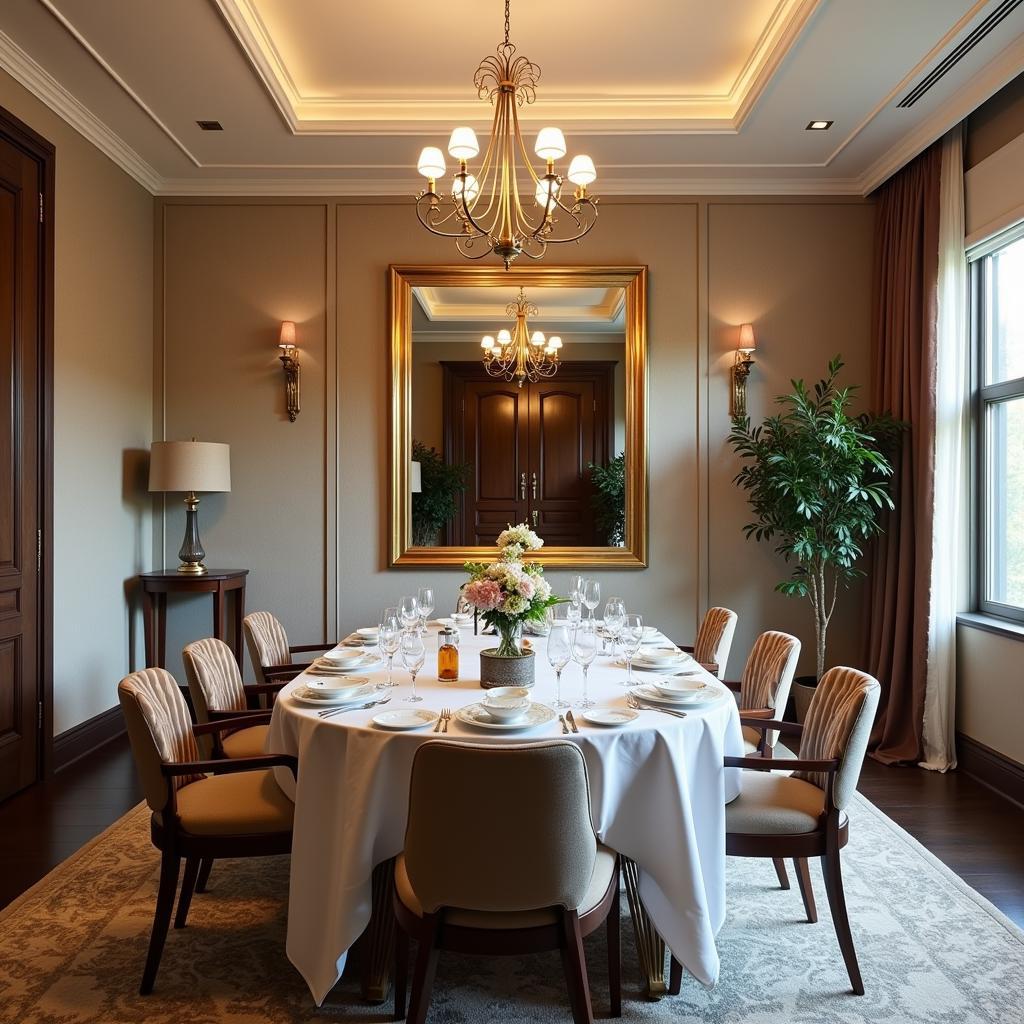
(20, 347)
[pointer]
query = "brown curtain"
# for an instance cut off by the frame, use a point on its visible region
(903, 380)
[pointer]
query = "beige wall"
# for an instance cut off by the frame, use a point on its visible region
(989, 708)
(103, 327)
(315, 492)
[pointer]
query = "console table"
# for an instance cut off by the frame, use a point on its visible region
(218, 582)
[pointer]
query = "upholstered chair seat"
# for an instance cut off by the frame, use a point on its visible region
(249, 742)
(772, 804)
(250, 803)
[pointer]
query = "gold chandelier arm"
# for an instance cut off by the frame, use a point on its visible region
(463, 242)
(432, 224)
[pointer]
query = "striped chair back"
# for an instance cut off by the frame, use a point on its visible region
(214, 680)
(714, 639)
(266, 641)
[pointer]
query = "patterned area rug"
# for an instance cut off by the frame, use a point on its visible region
(931, 950)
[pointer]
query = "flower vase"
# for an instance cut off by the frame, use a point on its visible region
(507, 664)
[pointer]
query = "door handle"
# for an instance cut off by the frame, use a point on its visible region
(522, 486)
(534, 475)
(534, 514)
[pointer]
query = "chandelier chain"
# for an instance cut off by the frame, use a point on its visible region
(508, 4)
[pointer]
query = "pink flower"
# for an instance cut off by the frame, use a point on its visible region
(525, 587)
(483, 594)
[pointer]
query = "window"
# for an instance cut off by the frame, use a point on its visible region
(998, 289)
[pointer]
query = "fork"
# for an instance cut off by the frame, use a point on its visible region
(446, 717)
(359, 707)
(565, 727)
(637, 706)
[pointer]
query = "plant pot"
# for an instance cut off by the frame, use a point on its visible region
(499, 670)
(801, 694)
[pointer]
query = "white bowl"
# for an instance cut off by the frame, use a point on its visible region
(334, 688)
(345, 656)
(506, 703)
(462, 618)
(369, 632)
(678, 686)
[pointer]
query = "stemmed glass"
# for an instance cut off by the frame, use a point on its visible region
(574, 611)
(559, 654)
(389, 637)
(584, 651)
(413, 655)
(632, 636)
(591, 595)
(409, 610)
(614, 617)
(425, 600)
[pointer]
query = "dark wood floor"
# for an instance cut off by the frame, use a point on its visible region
(977, 833)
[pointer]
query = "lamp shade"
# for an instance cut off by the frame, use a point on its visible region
(415, 478)
(747, 343)
(189, 466)
(287, 338)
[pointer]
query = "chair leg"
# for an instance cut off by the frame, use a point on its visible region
(426, 968)
(170, 865)
(780, 870)
(614, 955)
(675, 977)
(188, 884)
(401, 971)
(837, 903)
(204, 874)
(803, 878)
(576, 969)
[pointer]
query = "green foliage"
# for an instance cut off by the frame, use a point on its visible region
(437, 502)
(609, 499)
(817, 479)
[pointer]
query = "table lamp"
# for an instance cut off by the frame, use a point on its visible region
(190, 466)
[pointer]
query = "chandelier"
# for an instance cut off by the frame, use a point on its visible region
(486, 211)
(517, 354)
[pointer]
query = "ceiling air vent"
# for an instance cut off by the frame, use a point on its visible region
(216, 126)
(969, 42)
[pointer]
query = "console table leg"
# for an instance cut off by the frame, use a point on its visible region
(650, 947)
(149, 626)
(378, 941)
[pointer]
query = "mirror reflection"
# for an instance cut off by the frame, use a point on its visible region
(518, 413)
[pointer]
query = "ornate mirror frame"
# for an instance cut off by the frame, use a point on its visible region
(402, 281)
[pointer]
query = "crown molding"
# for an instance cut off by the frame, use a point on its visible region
(25, 70)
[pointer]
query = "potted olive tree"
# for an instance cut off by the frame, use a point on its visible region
(436, 503)
(817, 478)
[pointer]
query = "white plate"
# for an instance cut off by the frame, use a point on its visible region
(320, 668)
(649, 695)
(660, 662)
(368, 632)
(675, 687)
(363, 692)
(610, 717)
(342, 657)
(405, 718)
(476, 715)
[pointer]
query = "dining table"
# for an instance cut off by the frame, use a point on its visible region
(658, 790)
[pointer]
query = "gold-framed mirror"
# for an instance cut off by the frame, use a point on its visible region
(556, 438)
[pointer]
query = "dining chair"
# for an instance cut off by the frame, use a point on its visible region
(804, 815)
(269, 651)
(511, 866)
(202, 809)
(714, 640)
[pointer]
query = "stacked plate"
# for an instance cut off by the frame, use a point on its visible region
(660, 659)
(335, 693)
(342, 660)
(506, 708)
(678, 692)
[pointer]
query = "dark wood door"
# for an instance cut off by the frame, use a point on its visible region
(20, 349)
(528, 450)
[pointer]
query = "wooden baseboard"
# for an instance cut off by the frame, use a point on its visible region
(83, 739)
(997, 771)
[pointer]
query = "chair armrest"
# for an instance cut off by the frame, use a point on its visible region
(758, 713)
(683, 647)
(238, 720)
(238, 764)
(710, 666)
(767, 764)
(303, 648)
(285, 672)
(733, 684)
(265, 687)
(774, 724)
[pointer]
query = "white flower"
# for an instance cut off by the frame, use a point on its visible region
(520, 535)
(515, 604)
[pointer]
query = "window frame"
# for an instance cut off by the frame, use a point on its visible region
(983, 398)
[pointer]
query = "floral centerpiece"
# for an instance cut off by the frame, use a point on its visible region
(509, 592)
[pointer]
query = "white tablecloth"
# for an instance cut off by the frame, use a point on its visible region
(658, 792)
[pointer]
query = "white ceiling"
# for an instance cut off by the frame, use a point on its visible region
(330, 97)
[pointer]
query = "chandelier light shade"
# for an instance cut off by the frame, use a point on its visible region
(489, 208)
(520, 355)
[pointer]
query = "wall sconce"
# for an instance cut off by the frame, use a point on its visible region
(741, 370)
(290, 362)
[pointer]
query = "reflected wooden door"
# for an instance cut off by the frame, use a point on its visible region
(20, 350)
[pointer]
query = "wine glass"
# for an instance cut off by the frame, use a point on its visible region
(389, 636)
(409, 612)
(591, 595)
(614, 617)
(413, 655)
(559, 655)
(425, 599)
(584, 651)
(575, 606)
(632, 635)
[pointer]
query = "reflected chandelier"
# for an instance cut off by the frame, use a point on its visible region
(519, 355)
(485, 212)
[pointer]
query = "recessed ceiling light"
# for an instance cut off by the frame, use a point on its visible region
(216, 126)
(818, 126)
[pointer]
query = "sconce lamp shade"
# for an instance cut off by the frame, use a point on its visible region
(747, 342)
(416, 479)
(189, 466)
(287, 334)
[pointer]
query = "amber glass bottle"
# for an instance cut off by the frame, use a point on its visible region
(448, 656)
